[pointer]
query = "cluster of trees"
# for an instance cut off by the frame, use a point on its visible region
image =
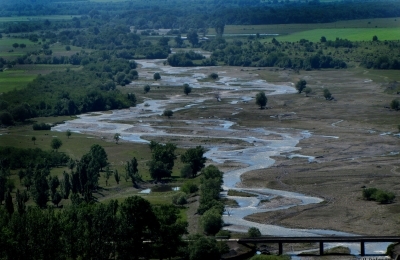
(300, 55)
(211, 208)
(381, 196)
(17, 158)
(65, 93)
(95, 231)
(184, 59)
(199, 14)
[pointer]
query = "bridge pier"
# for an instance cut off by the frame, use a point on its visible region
(321, 248)
(362, 248)
(280, 251)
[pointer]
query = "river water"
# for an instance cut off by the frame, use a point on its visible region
(261, 144)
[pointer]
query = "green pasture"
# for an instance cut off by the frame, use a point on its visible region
(36, 18)
(14, 79)
(284, 29)
(352, 34)
(19, 76)
(7, 50)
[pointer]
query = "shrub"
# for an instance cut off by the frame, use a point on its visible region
(381, 196)
(213, 75)
(395, 104)
(179, 199)
(189, 187)
(41, 126)
(211, 221)
(253, 232)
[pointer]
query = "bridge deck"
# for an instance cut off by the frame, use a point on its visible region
(321, 240)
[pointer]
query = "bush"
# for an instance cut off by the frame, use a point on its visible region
(253, 232)
(213, 75)
(368, 193)
(179, 199)
(41, 126)
(211, 221)
(381, 196)
(189, 187)
(384, 197)
(395, 104)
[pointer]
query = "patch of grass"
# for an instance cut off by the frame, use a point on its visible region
(19, 76)
(230, 203)
(352, 34)
(14, 79)
(240, 193)
(284, 29)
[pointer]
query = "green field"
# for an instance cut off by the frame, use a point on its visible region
(14, 79)
(7, 50)
(352, 34)
(36, 18)
(19, 76)
(284, 29)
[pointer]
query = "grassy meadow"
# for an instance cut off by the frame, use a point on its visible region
(285, 29)
(352, 34)
(19, 76)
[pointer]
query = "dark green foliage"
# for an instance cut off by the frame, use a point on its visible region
(187, 89)
(137, 222)
(58, 94)
(56, 198)
(156, 76)
(213, 75)
(395, 104)
(261, 99)
(307, 90)
(162, 162)
(194, 157)
(211, 182)
(211, 221)
(3, 181)
(131, 170)
(40, 188)
(253, 232)
(168, 238)
(179, 199)
(56, 143)
(381, 196)
(116, 176)
(168, 113)
(65, 186)
(193, 37)
(186, 171)
(189, 187)
(17, 158)
(41, 126)
(185, 59)
(201, 247)
(146, 88)
(327, 94)
(99, 155)
(8, 203)
(301, 85)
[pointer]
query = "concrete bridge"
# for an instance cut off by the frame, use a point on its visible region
(321, 240)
